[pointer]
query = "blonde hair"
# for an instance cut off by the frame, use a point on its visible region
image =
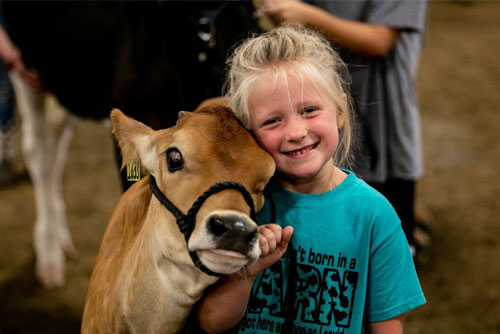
(290, 49)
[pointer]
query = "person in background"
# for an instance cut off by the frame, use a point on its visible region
(381, 42)
(348, 264)
(10, 58)
(7, 112)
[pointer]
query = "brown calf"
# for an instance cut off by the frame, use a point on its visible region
(145, 279)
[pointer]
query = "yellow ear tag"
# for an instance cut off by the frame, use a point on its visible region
(133, 171)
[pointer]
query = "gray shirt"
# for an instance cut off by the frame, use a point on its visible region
(383, 89)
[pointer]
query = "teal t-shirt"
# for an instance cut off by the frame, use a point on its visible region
(353, 263)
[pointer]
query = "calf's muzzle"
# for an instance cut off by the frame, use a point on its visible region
(232, 232)
(226, 226)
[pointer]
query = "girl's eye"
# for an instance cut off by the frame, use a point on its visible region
(309, 110)
(270, 122)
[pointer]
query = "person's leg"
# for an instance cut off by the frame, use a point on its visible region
(401, 194)
(8, 129)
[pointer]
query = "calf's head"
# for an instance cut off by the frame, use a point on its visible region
(209, 167)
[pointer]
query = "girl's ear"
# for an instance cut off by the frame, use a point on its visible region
(340, 112)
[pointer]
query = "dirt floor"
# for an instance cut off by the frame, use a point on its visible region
(459, 91)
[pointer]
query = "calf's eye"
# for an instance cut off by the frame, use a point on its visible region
(174, 159)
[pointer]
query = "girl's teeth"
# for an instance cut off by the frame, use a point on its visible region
(301, 151)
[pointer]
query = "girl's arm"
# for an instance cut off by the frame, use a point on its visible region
(391, 326)
(369, 39)
(224, 304)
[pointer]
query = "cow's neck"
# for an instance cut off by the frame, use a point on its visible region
(171, 253)
(161, 277)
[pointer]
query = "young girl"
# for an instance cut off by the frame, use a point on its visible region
(381, 42)
(348, 264)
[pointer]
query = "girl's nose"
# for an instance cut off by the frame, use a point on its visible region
(296, 129)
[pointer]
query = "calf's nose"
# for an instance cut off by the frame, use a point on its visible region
(233, 232)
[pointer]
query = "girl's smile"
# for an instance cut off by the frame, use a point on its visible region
(299, 153)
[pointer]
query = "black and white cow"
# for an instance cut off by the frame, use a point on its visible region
(150, 59)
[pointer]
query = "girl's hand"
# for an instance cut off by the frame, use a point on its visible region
(273, 242)
(234, 290)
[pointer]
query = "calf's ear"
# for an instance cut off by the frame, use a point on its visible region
(135, 140)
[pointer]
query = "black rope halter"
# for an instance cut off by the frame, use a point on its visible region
(186, 222)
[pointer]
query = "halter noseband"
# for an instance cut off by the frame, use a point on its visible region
(186, 222)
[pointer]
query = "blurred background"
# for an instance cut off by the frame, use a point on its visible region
(459, 94)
